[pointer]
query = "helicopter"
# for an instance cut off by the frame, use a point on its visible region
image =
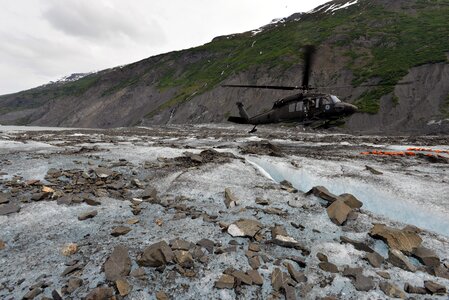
(316, 109)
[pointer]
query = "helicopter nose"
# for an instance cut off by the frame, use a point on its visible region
(350, 108)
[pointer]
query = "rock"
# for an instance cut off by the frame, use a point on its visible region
(138, 273)
(136, 182)
(338, 212)
(123, 287)
(3, 198)
(69, 249)
(242, 277)
(392, 290)
(290, 293)
(255, 277)
(120, 230)
(161, 296)
(297, 276)
(401, 240)
(73, 284)
(180, 245)
(280, 237)
(149, 194)
(71, 269)
(9, 208)
(262, 148)
(225, 282)
(279, 279)
(87, 215)
(183, 258)
(288, 186)
(351, 201)
(323, 193)
(103, 172)
(118, 264)
(32, 294)
(47, 190)
(132, 221)
(254, 262)
(361, 246)
(244, 228)
(375, 259)
(2, 245)
(156, 255)
(384, 274)
(440, 271)
(55, 295)
(261, 201)
(434, 288)
(92, 202)
(274, 211)
(207, 244)
(230, 199)
(408, 288)
(254, 247)
(328, 267)
(396, 258)
(64, 200)
(361, 282)
(322, 257)
(101, 293)
(373, 171)
(426, 256)
(39, 196)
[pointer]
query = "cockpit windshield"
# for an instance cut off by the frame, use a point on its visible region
(335, 99)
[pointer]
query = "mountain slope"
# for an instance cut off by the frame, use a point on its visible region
(365, 41)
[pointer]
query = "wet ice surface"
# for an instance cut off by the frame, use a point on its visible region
(410, 191)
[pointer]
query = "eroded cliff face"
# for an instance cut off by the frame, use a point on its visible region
(417, 108)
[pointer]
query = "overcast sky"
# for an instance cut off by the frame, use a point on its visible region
(43, 40)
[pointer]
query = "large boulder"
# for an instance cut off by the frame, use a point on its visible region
(396, 258)
(402, 240)
(156, 255)
(118, 264)
(338, 212)
(245, 228)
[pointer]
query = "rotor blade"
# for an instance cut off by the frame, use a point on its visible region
(362, 85)
(270, 87)
(309, 50)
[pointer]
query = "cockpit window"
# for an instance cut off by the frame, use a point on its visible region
(335, 99)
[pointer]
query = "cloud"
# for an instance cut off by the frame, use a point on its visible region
(101, 20)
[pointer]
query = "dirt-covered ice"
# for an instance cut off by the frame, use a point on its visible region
(168, 184)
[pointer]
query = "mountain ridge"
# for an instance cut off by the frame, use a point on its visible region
(369, 41)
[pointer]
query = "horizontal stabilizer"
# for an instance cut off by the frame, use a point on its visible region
(238, 120)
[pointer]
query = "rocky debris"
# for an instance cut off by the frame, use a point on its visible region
(322, 257)
(161, 296)
(206, 156)
(288, 186)
(434, 288)
(263, 202)
(396, 258)
(9, 208)
(375, 259)
(242, 277)
(299, 277)
(207, 244)
(149, 194)
(402, 240)
(328, 267)
(426, 256)
(92, 202)
(120, 230)
(3, 198)
(181, 245)
(156, 255)
(392, 290)
(33, 293)
(87, 215)
(323, 193)
(338, 212)
(351, 201)
(281, 281)
(123, 287)
(440, 271)
(245, 228)
(408, 288)
(361, 246)
(118, 264)
(103, 172)
(183, 258)
(2, 245)
(261, 148)
(230, 199)
(72, 268)
(280, 237)
(373, 171)
(225, 282)
(384, 274)
(256, 278)
(101, 293)
(361, 282)
(69, 249)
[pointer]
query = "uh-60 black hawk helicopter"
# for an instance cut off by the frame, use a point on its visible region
(316, 109)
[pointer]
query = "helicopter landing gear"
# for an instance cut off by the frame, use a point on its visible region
(253, 130)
